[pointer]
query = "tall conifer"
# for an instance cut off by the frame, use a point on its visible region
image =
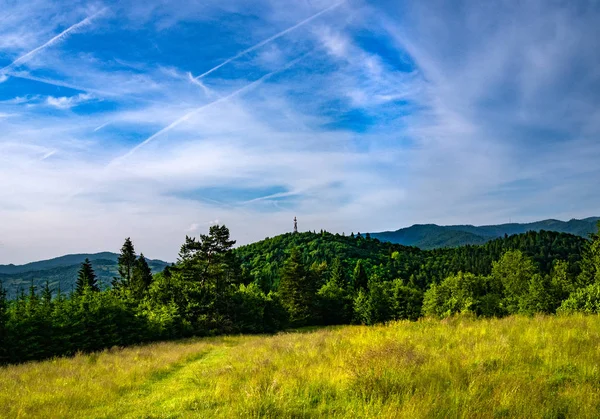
(86, 278)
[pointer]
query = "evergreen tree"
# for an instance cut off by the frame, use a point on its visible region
(338, 276)
(86, 278)
(4, 344)
(141, 277)
(297, 289)
(127, 260)
(359, 277)
(335, 302)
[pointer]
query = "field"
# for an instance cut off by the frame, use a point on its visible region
(546, 367)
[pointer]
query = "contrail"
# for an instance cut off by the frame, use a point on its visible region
(57, 38)
(27, 76)
(272, 38)
(201, 108)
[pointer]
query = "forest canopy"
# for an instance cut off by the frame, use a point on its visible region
(299, 279)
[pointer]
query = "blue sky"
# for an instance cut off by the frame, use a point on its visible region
(156, 119)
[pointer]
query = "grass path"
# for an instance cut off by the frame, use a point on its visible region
(542, 367)
(167, 393)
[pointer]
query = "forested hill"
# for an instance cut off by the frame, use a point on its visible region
(431, 236)
(62, 271)
(263, 260)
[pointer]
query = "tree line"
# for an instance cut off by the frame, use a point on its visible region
(297, 280)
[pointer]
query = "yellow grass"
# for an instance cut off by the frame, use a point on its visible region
(542, 367)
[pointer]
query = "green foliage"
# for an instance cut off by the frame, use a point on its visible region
(586, 300)
(462, 293)
(514, 270)
(335, 303)
(540, 298)
(297, 289)
(86, 278)
(360, 280)
(3, 324)
(126, 262)
(141, 277)
(432, 236)
(296, 279)
(590, 264)
(406, 301)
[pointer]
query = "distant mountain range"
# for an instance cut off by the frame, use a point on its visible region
(431, 236)
(62, 271)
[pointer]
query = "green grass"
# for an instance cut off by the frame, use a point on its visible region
(542, 367)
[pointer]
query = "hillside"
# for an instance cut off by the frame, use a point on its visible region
(530, 367)
(263, 260)
(432, 236)
(62, 271)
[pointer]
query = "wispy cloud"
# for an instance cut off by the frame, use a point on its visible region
(271, 39)
(64, 102)
(397, 108)
(56, 39)
(195, 111)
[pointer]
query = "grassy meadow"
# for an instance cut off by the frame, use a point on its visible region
(540, 367)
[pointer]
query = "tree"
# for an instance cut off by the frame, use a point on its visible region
(209, 257)
(141, 277)
(590, 263)
(3, 325)
(539, 299)
(86, 278)
(297, 289)
(561, 282)
(335, 302)
(126, 261)
(374, 304)
(406, 301)
(359, 277)
(463, 292)
(337, 274)
(514, 270)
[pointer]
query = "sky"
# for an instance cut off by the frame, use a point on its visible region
(157, 119)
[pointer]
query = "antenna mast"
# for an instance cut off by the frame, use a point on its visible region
(295, 225)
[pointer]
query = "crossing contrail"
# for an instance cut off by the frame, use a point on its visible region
(272, 38)
(195, 111)
(57, 38)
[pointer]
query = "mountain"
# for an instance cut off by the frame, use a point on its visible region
(431, 236)
(62, 271)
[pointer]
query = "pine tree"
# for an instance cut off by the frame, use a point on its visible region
(86, 278)
(359, 277)
(3, 325)
(127, 260)
(297, 289)
(47, 300)
(141, 278)
(338, 275)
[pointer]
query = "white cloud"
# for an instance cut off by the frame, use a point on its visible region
(64, 102)
(447, 159)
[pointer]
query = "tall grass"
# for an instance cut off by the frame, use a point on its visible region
(546, 367)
